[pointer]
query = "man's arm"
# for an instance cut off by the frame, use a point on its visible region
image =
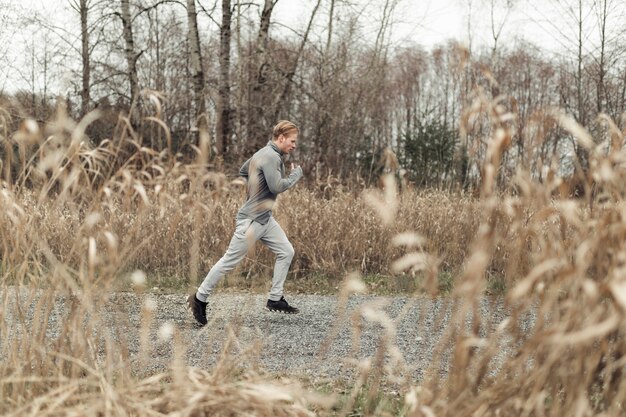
(277, 184)
(243, 171)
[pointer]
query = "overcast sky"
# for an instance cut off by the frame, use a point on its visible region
(431, 22)
(426, 22)
(423, 22)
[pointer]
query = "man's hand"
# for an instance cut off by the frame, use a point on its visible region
(295, 168)
(295, 172)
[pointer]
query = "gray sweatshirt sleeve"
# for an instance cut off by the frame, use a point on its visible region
(243, 171)
(275, 182)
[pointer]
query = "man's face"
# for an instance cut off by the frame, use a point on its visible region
(287, 143)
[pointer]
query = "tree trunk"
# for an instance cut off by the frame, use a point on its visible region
(197, 76)
(129, 51)
(86, 79)
(331, 16)
(258, 64)
(579, 69)
(239, 123)
(581, 152)
(602, 64)
(195, 54)
(222, 128)
(264, 28)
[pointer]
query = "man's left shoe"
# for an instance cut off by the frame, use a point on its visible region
(281, 306)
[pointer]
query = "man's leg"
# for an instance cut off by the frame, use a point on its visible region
(244, 235)
(276, 239)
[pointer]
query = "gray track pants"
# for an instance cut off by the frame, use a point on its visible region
(246, 233)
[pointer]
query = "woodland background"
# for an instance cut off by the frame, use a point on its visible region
(230, 69)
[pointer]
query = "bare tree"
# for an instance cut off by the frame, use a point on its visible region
(5, 11)
(330, 77)
(222, 125)
(610, 16)
(82, 7)
(579, 61)
(294, 64)
(573, 37)
(241, 80)
(470, 33)
(331, 17)
(38, 70)
(129, 50)
(259, 65)
(264, 27)
(197, 72)
(499, 12)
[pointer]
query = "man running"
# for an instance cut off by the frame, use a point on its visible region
(265, 175)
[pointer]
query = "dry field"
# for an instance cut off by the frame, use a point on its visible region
(77, 220)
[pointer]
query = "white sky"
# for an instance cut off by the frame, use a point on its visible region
(431, 22)
(423, 22)
(427, 22)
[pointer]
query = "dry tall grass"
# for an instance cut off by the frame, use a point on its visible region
(73, 218)
(332, 236)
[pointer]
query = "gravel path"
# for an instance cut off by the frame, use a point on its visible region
(283, 344)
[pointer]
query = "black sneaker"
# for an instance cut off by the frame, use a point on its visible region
(281, 306)
(198, 308)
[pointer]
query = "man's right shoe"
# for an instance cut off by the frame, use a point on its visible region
(198, 308)
(281, 306)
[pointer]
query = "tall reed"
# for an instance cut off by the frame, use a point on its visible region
(76, 217)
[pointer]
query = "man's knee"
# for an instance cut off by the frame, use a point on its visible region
(288, 252)
(232, 258)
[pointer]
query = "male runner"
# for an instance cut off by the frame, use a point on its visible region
(265, 174)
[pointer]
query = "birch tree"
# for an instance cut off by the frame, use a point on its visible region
(197, 72)
(129, 50)
(83, 7)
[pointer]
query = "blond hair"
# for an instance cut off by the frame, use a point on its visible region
(284, 127)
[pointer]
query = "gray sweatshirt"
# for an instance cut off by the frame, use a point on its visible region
(265, 173)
